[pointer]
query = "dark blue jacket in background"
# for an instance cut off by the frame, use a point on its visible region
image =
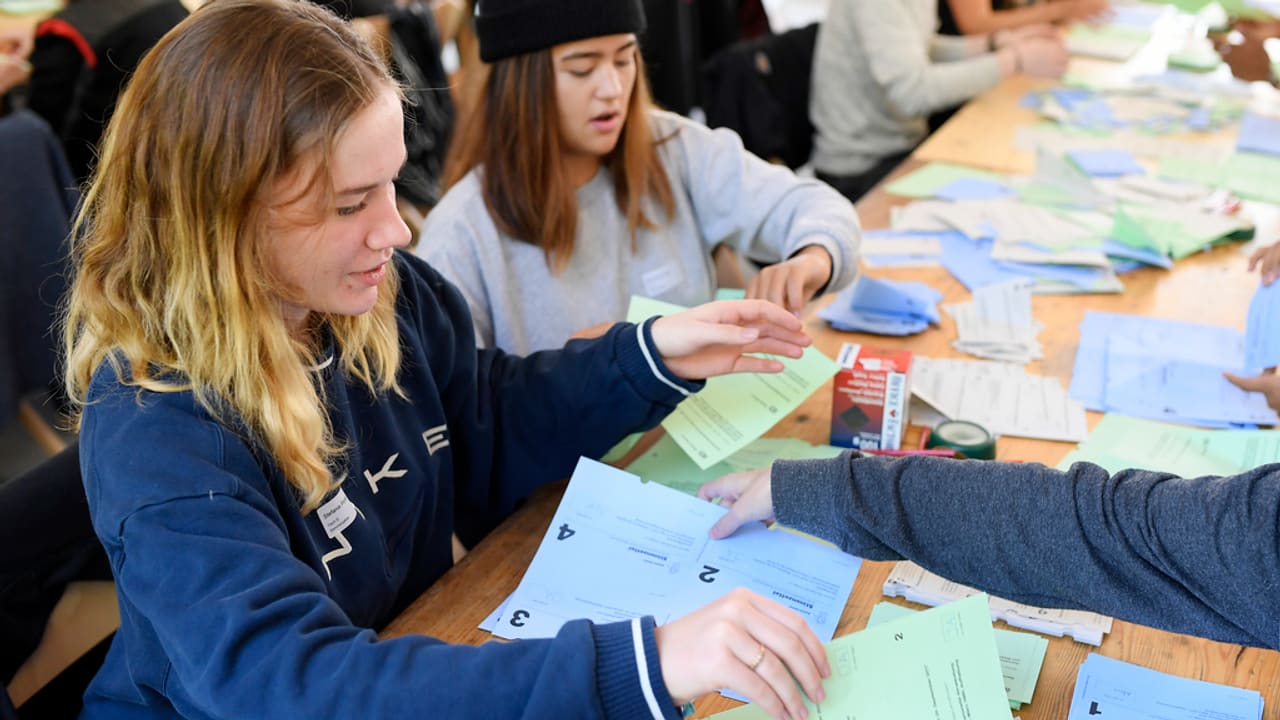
(37, 199)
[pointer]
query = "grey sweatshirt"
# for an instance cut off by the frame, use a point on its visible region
(879, 70)
(723, 194)
(1198, 556)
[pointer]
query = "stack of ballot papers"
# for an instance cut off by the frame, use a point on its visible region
(1259, 134)
(887, 248)
(941, 663)
(883, 307)
(1115, 690)
(733, 410)
(1249, 175)
(1164, 370)
(1119, 442)
(997, 324)
(1109, 41)
(948, 181)
(619, 548)
(912, 582)
(1021, 654)
(1003, 398)
(1172, 229)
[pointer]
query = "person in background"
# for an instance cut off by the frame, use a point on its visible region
(881, 68)
(569, 192)
(283, 419)
(1266, 260)
(1192, 555)
(978, 17)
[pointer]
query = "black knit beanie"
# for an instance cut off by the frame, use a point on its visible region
(513, 27)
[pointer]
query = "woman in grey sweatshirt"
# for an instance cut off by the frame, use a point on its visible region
(881, 68)
(569, 192)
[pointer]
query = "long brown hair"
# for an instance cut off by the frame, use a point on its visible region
(512, 133)
(171, 250)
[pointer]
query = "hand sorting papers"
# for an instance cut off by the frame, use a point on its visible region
(733, 410)
(883, 307)
(1164, 370)
(910, 581)
(941, 663)
(1109, 688)
(997, 324)
(618, 548)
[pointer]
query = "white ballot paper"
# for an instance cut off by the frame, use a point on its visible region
(620, 548)
(910, 581)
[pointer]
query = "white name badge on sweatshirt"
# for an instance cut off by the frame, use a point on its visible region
(337, 514)
(659, 280)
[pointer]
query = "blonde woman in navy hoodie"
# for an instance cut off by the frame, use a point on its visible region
(284, 420)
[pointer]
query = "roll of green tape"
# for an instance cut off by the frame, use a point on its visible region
(966, 437)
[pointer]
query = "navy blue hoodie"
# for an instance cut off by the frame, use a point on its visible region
(236, 605)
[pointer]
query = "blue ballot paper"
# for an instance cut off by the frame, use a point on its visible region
(1262, 329)
(969, 261)
(619, 548)
(883, 307)
(1106, 162)
(1163, 370)
(1115, 690)
(1146, 256)
(1259, 134)
(1200, 119)
(966, 188)
(1069, 97)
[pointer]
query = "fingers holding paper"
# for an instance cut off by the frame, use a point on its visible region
(748, 495)
(1268, 383)
(1267, 261)
(716, 338)
(748, 644)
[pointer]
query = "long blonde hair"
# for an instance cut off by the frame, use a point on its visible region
(513, 130)
(173, 288)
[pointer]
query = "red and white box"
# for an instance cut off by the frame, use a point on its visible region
(871, 397)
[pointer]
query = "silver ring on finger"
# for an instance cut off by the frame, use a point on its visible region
(759, 658)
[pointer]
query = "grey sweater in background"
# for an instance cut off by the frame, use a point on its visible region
(723, 194)
(1198, 556)
(879, 70)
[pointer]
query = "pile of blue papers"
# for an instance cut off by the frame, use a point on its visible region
(901, 248)
(1164, 370)
(883, 307)
(970, 262)
(1109, 688)
(1106, 163)
(1104, 112)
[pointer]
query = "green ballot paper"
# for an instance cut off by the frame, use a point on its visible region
(1118, 442)
(733, 410)
(1021, 654)
(941, 663)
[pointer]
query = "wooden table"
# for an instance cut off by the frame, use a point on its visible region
(1211, 287)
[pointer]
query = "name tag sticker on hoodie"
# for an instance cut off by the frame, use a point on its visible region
(659, 280)
(337, 514)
